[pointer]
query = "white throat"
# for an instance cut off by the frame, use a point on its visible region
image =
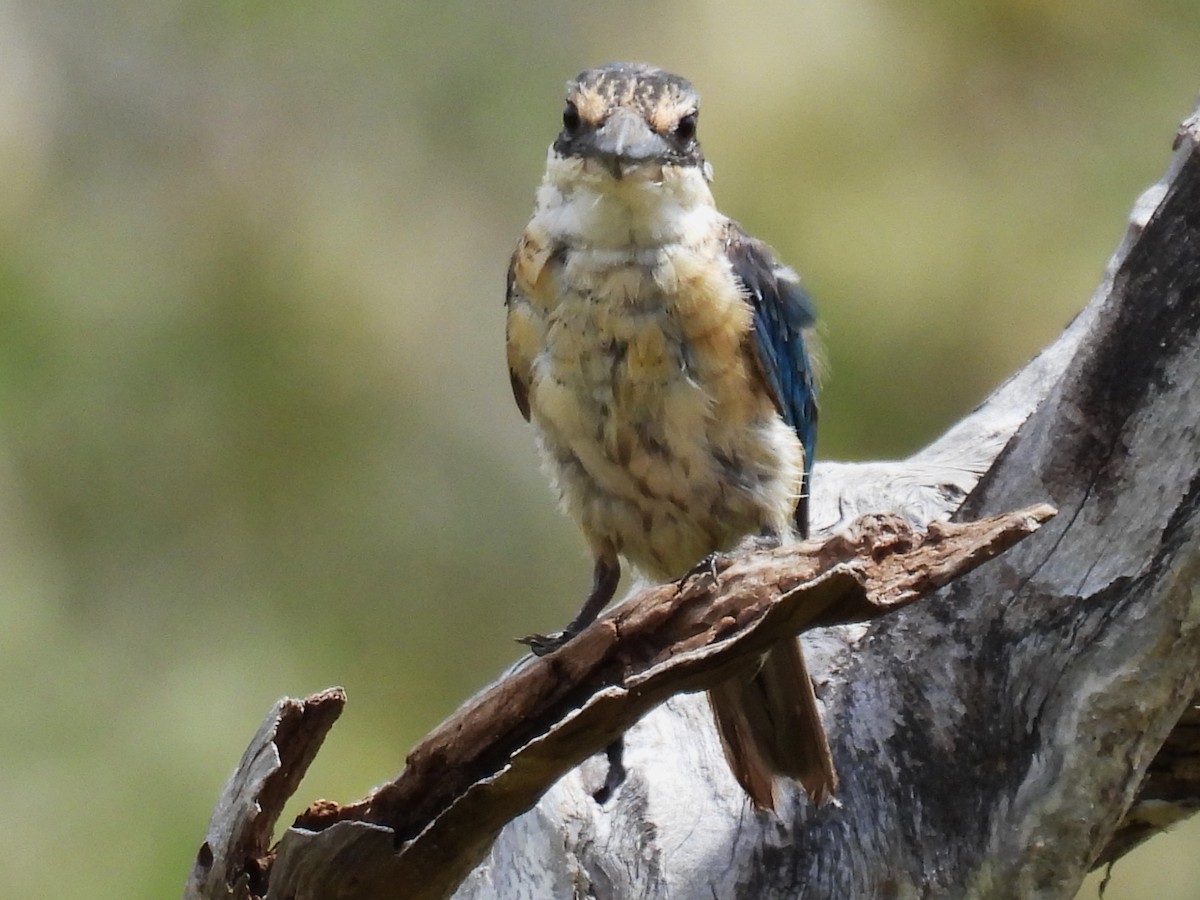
(583, 206)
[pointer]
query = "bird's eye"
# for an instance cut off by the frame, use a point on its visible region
(686, 129)
(571, 118)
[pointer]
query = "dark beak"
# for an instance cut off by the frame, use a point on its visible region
(624, 141)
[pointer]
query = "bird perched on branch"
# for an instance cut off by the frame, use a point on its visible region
(660, 353)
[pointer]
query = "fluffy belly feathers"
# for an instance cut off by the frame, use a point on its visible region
(642, 390)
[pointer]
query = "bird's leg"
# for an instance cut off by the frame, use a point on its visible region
(767, 539)
(605, 576)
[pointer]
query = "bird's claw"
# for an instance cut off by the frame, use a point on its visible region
(544, 644)
(706, 566)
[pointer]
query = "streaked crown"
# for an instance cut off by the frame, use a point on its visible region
(627, 115)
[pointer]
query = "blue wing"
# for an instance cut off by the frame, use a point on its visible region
(783, 314)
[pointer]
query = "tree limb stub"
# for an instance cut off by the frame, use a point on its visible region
(504, 748)
(231, 861)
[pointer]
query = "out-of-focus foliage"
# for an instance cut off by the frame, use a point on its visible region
(256, 435)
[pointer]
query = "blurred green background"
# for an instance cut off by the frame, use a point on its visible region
(256, 435)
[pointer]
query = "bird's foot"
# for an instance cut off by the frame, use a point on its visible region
(715, 562)
(545, 644)
(706, 566)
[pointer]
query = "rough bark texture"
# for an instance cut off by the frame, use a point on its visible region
(998, 739)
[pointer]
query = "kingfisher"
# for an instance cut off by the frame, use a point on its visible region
(662, 356)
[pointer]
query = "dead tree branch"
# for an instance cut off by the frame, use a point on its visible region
(502, 750)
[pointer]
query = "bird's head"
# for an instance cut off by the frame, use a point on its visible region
(630, 121)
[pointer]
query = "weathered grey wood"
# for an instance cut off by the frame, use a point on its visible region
(991, 739)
